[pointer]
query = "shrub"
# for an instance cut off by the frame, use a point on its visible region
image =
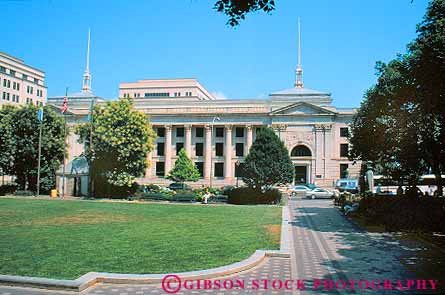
(247, 195)
(184, 196)
(404, 213)
(24, 193)
(7, 189)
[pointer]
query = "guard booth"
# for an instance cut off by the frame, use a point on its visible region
(76, 177)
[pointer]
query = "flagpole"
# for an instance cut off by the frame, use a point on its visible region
(64, 147)
(40, 118)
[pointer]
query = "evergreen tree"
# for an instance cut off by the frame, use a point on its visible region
(268, 162)
(184, 169)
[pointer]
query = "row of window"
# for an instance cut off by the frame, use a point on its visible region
(199, 149)
(16, 98)
(13, 73)
(199, 132)
(16, 86)
(218, 169)
(8, 97)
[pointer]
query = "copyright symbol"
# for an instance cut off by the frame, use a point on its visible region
(171, 284)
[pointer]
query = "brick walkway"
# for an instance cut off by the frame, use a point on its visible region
(330, 248)
(326, 247)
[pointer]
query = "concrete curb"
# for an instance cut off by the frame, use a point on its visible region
(93, 278)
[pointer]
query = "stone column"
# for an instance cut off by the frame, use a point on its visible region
(228, 153)
(148, 171)
(188, 140)
(249, 139)
(168, 149)
(208, 152)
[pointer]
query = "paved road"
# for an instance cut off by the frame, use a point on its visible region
(326, 247)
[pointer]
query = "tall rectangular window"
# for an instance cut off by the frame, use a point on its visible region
(239, 132)
(179, 147)
(343, 170)
(160, 148)
(160, 169)
(219, 169)
(219, 132)
(239, 149)
(160, 131)
(199, 131)
(180, 132)
(344, 132)
(200, 167)
(219, 149)
(344, 150)
(199, 149)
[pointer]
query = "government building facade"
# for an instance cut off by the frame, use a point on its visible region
(218, 133)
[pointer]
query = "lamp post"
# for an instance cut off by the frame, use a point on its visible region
(216, 118)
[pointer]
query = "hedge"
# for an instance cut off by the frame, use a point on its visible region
(249, 196)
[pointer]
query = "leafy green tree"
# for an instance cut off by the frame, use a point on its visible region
(19, 129)
(237, 10)
(184, 169)
(268, 162)
(6, 139)
(400, 126)
(427, 67)
(121, 141)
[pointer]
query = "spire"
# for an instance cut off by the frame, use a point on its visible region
(86, 83)
(299, 69)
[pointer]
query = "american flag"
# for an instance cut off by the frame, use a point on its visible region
(65, 105)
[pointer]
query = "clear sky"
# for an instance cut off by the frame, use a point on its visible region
(149, 39)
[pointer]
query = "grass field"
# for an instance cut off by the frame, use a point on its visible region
(66, 239)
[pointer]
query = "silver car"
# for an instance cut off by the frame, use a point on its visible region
(320, 193)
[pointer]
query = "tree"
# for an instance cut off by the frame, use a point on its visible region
(268, 162)
(6, 139)
(184, 169)
(427, 66)
(236, 10)
(19, 129)
(121, 141)
(400, 125)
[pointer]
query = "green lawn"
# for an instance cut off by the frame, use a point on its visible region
(66, 239)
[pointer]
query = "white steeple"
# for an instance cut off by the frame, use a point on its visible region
(299, 69)
(86, 83)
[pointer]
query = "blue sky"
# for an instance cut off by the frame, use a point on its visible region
(148, 39)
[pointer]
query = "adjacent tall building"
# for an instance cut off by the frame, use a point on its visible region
(20, 84)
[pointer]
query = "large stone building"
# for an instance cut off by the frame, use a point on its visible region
(217, 133)
(20, 83)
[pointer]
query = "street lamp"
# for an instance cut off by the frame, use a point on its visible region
(216, 118)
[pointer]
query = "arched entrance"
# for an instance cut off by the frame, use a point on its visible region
(301, 157)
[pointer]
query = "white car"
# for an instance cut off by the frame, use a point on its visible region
(319, 193)
(300, 190)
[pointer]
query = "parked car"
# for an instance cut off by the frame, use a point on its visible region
(320, 193)
(301, 190)
(179, 186)
(347, 185)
